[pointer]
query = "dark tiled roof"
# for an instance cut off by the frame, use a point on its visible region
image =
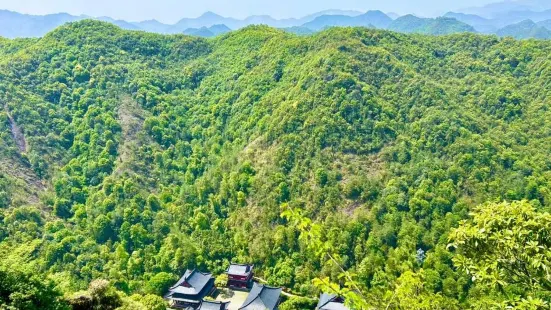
(191, 283)
(329, 302)
(240, 270)
(262, 297)
(213, 305)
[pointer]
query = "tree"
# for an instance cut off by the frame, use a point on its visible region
(104, 295)
(411, 293)
(26, 290)
(221, 280)
(298, 303)
(154, 302)
(159, 283)
(506, 247)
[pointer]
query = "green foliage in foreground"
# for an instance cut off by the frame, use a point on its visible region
(23, 290)
(504, 247)
(144, 155)
(507, 247)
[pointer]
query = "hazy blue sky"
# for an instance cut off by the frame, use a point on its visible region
(173, 10)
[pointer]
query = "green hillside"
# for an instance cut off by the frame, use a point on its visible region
(135, 156)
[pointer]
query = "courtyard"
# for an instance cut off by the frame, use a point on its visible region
(236, 298)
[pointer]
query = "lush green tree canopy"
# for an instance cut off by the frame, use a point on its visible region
(141, 155)
(507, 247)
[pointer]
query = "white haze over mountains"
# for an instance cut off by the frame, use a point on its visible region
(500, 9)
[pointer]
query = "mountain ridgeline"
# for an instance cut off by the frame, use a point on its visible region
(148, 154)
(208, 25)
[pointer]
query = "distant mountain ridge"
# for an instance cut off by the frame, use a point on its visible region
(497, 9)
(434, 26)
(520, 19)
(22, 25)
(493, 25)
(207, 32)
(14, 24)
(525, 29)
(376, 19)
(479, 23)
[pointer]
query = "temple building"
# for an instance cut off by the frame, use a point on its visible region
(331, 302)
(190, 290)
(262, 297)
(240, 276)
(214, 305)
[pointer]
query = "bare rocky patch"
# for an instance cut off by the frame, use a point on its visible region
(131, 118)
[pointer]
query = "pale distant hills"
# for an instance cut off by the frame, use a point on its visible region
(434, 26)
(14, 25)
(208, 32)
(502, 18)
(520, 19)
(504, 8)
(21, 25)
(525, 29)
(376, 19)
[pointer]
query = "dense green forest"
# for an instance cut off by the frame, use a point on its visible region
(128, 157)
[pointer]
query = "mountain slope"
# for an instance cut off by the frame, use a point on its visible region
(370, 19)
(299, 30)
(546, 24)
(525, 30)
(208, 19)
(152, 26)
(162, 153)
(434, 26)
(208, 32)
(119, 23)
(480, 24)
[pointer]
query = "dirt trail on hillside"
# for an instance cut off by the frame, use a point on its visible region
(17, 135)
(16, 132)
(131, 118)
(18, 167)
(28, 181)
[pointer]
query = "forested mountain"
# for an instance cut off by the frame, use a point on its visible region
(210, 32)
(131, 156)
(480, 24)
(208, 19)
(299, 30)
(153, 26)
(120, 23)
(525, 29)
(435, 26)
(376, 19)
